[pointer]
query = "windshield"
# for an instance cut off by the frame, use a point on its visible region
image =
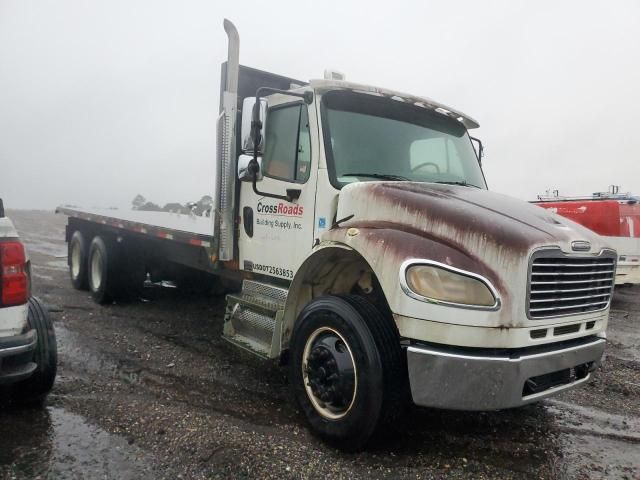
(375, 138)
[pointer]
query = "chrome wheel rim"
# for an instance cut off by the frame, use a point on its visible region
(96, 270)
(329, 373)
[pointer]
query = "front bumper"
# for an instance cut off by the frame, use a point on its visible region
(16, 357)
(459, 380)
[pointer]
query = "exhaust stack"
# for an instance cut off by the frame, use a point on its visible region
(226, 155)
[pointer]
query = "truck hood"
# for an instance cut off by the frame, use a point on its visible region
(465, 227)
(463, 217)
(391, 223)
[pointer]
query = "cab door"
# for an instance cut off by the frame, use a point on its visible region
(277, 235)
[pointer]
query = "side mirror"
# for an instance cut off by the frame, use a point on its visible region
(479, 148)
(244, 175)
(248, 144)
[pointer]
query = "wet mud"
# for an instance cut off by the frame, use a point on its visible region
(148, 389)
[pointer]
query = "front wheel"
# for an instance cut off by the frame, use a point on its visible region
(346, 369)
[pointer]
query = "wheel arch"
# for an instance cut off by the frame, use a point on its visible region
(332, 268)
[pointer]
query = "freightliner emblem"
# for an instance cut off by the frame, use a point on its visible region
(580, 246)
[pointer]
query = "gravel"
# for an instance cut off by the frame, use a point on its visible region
(148, 389)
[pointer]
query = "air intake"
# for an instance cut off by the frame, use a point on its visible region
(562, 285)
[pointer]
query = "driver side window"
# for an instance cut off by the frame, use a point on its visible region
(287, 154)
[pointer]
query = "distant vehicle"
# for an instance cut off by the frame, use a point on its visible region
(28, 349)
(614, 215)
(374, 262)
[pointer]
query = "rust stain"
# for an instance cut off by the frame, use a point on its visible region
(468, 228)
(515, 224)
(401, 242)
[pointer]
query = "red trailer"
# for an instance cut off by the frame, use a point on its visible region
(613, 215)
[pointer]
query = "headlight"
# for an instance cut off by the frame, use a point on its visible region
(443, 284)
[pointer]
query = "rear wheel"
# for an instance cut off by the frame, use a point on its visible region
(347, 369)
(77, 259)
(34, 389)
(103, 270)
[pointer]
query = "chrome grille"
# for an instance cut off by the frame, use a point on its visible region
(564, 285)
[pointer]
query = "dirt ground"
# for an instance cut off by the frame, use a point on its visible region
(148, 389)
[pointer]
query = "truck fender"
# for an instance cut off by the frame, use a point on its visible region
(330, 268)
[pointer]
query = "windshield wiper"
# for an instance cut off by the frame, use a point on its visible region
(464, 184)
(382, 176)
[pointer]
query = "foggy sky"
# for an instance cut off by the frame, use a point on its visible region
(102, 100)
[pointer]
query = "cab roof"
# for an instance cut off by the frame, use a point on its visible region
(424, 102)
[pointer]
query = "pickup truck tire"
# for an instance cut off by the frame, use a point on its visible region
(33, 390)
(103, 270)
(346, 369)
(77, 255)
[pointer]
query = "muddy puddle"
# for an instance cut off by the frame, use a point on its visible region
(82, 361)
(54, 443)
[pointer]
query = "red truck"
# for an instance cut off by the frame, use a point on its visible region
(612, 215)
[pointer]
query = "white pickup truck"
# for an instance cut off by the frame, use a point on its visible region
(373, 260)
(28, 353)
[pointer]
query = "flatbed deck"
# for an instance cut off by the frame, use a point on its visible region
(179, 227)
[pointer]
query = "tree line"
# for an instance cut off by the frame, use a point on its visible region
(201, 208)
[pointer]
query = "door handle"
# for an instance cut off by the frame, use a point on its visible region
(247, 221)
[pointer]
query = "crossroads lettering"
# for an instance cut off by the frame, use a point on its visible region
(280, 209)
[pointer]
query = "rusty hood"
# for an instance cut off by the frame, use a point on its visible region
(465, 218)
(465, 227)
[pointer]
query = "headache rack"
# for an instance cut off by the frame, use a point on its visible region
(561, 284)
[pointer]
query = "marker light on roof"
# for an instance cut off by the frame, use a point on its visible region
(334, 75)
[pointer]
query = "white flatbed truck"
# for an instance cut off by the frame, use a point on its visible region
(372, 259)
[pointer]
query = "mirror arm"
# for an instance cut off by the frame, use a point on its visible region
(256, 128)
(292, 193)
(480, 152)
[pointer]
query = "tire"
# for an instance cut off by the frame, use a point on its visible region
(34, 390)
(356, 404)
(77, 260)
(103, 270)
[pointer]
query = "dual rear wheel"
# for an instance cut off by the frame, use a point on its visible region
(100, 267)
(77, 250)
(103, 270)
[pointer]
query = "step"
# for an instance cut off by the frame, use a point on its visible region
(253, 318)
(249, 345)
(251, 324)
(262, 305)
(265, 291)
